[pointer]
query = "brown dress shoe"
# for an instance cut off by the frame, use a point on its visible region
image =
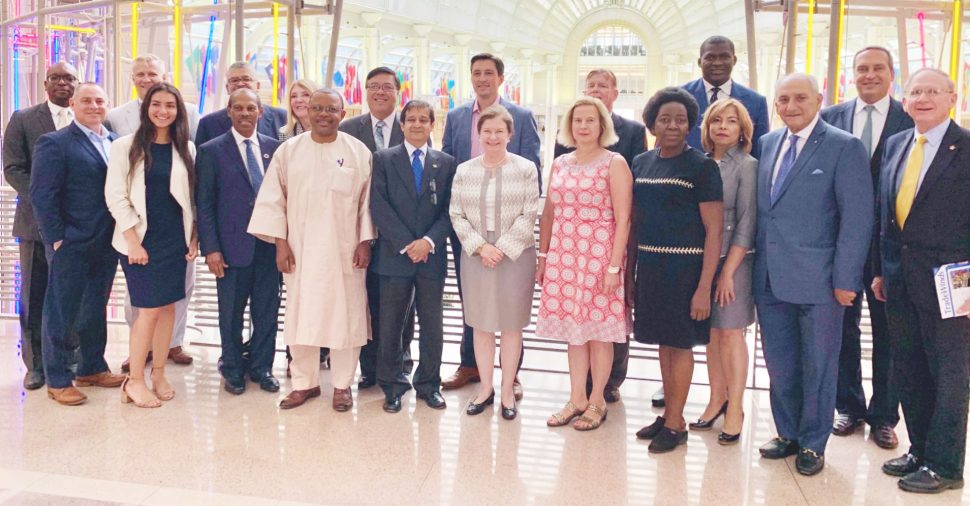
(105, 379)
(69, 396)
(126, 365)
(342, 399)
(884, 436)
(517, 389)
(179, 357)
(296, 398)
(462, 377)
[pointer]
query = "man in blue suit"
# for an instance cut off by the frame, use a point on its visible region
(815, 219)
(873, 117)
(231, 169)
(240, 75)
(67, 193)
(461, 141)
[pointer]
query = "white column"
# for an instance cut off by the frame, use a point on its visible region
(462, 69)
(528, 76)
(422, 62)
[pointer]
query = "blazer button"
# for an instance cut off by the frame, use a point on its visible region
(905, 246)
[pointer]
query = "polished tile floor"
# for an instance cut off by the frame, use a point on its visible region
(208, 447)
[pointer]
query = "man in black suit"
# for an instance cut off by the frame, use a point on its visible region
(379, 129)
(410, 194)
(873, 117)
(67, 193)
(18, 146)
(212, 125)
(601, 84)
(231, 169)
(924, 222)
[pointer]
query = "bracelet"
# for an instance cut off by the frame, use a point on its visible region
(612, 270)
(541, 254)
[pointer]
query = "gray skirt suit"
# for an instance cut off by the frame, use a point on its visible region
(739, 173)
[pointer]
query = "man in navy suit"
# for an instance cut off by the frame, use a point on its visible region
(924, 222)
(410, 194)
(815, 219)
(67, 192)
(212, 125)
(873, 117)
(230, 169)
(461, 141)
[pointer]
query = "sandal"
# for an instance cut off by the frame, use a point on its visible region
(126, 399)
(558, 419)
(591, 423)
(162, 389)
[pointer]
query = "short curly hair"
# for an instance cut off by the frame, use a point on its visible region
(666, 96)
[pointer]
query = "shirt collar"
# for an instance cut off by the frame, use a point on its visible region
(476, 108)
(411, 149)
(387, 121)
(725, 88)
(881, 105)
(56, 109)
(934, 136)
(87, 131)
(239, 137)
(807, 131)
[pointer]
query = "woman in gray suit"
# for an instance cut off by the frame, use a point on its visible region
(494, 201)
(726, 134)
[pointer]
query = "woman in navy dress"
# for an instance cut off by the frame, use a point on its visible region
(677, 220)
(149, 193)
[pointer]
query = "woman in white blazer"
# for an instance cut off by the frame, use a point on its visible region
(149, 193)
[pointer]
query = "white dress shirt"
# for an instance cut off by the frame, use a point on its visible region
(725, 89)
(388, 124)
(803, 135)
(241, 144)
(60, 121)
(424, 163)
(879, 116)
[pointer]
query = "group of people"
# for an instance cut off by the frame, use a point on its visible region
(678, 245)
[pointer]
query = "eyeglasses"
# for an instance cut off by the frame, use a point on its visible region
(929, 92)
(328, 109)
(239, 80)
(67, 78)
(387, 88)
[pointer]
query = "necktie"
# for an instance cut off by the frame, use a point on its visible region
(714, 93)
(907, 189)
(252, 166)
(379, 134)
(786, 165)
(867, 129)
(62, 119)
(417, 169)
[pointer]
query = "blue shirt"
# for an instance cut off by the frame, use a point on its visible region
(100, 141)
(934, 137)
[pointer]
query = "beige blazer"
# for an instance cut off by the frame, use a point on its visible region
(125, 193)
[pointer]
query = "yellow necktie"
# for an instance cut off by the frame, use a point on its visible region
(907, 189)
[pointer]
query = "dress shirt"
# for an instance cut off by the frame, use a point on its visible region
(934, 137)
(56, 110)
(709, 88)
(388, 125)
(879, 116)
(424, 159)
(241, 144)
(803, 136)
(100, 140)
(476, 141)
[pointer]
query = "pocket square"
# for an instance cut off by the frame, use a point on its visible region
(817, 171)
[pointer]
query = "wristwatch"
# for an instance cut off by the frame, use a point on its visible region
(612, 270)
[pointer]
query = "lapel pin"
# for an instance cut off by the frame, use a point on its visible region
(266, 156)
(340, 162)
(435, 165)
(952, 147)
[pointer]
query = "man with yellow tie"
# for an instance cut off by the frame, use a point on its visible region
(924, 222)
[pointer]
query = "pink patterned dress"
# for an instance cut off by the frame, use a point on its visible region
(572, 307)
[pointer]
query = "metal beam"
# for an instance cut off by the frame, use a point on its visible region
(751, 44)
(903, 52)
(334, 39)
(835, 34)
(47, 11)
(240, 29)
(290, 48)
(41, 56)
(791, 31)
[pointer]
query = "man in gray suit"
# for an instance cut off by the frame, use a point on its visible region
(147, 70)
(25, 127)
(815, 217)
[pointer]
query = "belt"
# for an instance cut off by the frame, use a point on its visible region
(671, 250)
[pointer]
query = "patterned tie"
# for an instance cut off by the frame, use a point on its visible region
(252, 166)
(907, 189)
(786, 165)
(714, 93)
(417, 169)
(867, 129)
(379, 134)
(62, 119)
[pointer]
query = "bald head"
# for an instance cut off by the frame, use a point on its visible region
(60, 82)
(244, 92)
(929, 98)
(799, 78)
(797, 100)
(146, 71)
(90, 105)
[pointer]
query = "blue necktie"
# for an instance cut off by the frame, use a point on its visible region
(786, 165)
(252, 166)
(417, 169)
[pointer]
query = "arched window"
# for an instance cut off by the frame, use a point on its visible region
(613, 41)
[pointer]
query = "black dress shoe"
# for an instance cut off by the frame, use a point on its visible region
(611, 394)
(34, 380)
(392, 404)
(901, 466)
(366, 382)
(651, 431)
(477, 409)
(666, 440)
(926, 481)
(235, 386)
(657, 400)
(884, 436)
(702, 424)
(809, 463)
(434, 400)
(778, 448)
(509, 413)
(266, 381)
(845, 424)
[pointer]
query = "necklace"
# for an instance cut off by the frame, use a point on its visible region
(497, 165)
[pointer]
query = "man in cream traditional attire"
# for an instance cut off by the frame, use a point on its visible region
(314, 204)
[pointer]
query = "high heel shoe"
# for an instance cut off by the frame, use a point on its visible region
(702, 424)
(725, 439)
(477, 409)
(166, 395)
(126, 399)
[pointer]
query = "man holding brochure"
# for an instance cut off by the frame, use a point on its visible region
(924, 223)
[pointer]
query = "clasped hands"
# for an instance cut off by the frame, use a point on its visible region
(491, 256)
(418, 250)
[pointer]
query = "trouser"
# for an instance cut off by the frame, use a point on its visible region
(181, 308)
(33, 287)
(370, 352)
(400, 296)
(850, 400)
(801, 344)
(258, 284)
(75, 311)
(621, 361)
(306, 366)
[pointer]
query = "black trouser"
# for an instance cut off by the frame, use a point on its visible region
(369, 353)
(851, 398)
(259, 285)
(33, 287)
(399, 297)
(621, 361)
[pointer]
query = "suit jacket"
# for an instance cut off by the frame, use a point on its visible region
(525, 139)
(67, 189)
(402, 215)
(125, 119)
(22, 132)
(124, 192)
(363, 130)
(815, 238)
(937, 229)
(756, 105)
(632, 140)
(216, 123)
(225, 197)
